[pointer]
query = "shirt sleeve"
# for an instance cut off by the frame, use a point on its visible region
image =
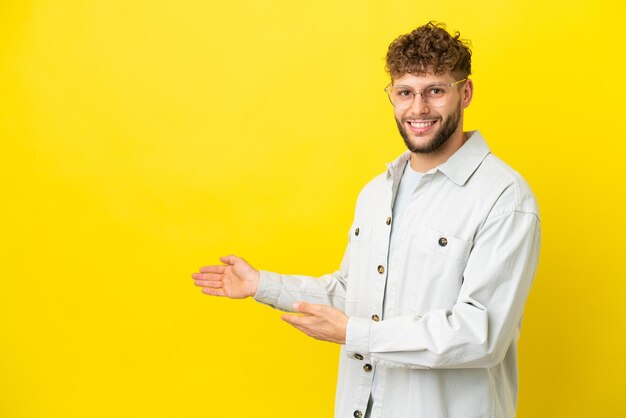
(478, 329)
(281, 291)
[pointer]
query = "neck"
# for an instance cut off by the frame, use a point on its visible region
(423, 162)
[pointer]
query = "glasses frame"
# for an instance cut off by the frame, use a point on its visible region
(421, 92)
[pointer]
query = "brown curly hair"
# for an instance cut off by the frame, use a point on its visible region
(429, 49)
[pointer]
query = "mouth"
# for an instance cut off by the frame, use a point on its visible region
(420, 126)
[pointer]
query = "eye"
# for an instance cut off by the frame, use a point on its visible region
(435, 91)
(404, 93)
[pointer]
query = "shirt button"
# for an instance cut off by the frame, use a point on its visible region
(381, 269)
(356, 232)
(358, 414)
(358, 356)
(375, 318)
(389, 220)
(367, 368)
(443, 241)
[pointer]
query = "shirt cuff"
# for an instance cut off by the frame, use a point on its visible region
(270, 286)
(358, 335)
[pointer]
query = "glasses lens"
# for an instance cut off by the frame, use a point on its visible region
(401, 97)
(436, 95)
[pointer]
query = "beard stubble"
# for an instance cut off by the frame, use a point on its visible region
(441, 136)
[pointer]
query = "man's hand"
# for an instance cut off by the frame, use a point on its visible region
(235, 279)
(321, 322)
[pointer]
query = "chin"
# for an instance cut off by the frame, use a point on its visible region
(420, 145)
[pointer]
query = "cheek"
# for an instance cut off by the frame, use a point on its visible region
(446, 112)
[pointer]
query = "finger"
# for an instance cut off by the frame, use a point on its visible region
(290, 319)
(209, 283)
(211, 276)
(229, 259)
(300, 328)
(213, 292)
(293, 320)
(207, 276)
(307, 308)
(301, 320)
(213, 269)
(311, 332)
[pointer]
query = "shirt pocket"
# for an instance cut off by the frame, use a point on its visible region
(359, 260)
(360, 232)
(434, 240)
(436, 269)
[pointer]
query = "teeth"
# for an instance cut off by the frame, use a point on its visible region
(421, 124)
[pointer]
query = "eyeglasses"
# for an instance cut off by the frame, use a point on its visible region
(402, 97)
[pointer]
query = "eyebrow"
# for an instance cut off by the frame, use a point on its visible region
(439, 83)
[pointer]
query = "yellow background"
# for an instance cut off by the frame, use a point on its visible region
(143, 139)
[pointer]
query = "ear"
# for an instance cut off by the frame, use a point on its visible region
(468, 92)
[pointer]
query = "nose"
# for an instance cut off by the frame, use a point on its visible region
(419, 105)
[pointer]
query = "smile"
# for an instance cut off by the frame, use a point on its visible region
(417, 124)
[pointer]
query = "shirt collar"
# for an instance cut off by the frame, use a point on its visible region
(459, 167)
(396, 167)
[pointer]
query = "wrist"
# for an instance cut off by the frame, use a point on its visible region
(254, 282)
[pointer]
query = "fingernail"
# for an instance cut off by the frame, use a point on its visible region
(295, 306)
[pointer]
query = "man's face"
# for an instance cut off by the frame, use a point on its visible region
(426, 128)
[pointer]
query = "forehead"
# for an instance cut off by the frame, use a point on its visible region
(421, 80)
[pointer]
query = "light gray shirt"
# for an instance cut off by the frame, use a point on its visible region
(408, 184)
(440, 326)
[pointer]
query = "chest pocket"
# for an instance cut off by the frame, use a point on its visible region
(360, 232)
(436, 271)
(359, 261)
(432, 240)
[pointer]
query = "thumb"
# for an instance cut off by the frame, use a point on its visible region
(229, 259)
(303, 307)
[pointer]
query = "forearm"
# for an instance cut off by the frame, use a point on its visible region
(281, 291)
(440, 339)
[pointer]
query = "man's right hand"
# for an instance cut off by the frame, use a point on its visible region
(235, 279)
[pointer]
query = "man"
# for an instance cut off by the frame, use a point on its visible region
(428, 301)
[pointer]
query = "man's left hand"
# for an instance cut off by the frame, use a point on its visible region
(321, 322)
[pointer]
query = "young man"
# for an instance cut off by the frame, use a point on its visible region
(428, 301)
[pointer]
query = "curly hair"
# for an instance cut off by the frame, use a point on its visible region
(429, 49)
